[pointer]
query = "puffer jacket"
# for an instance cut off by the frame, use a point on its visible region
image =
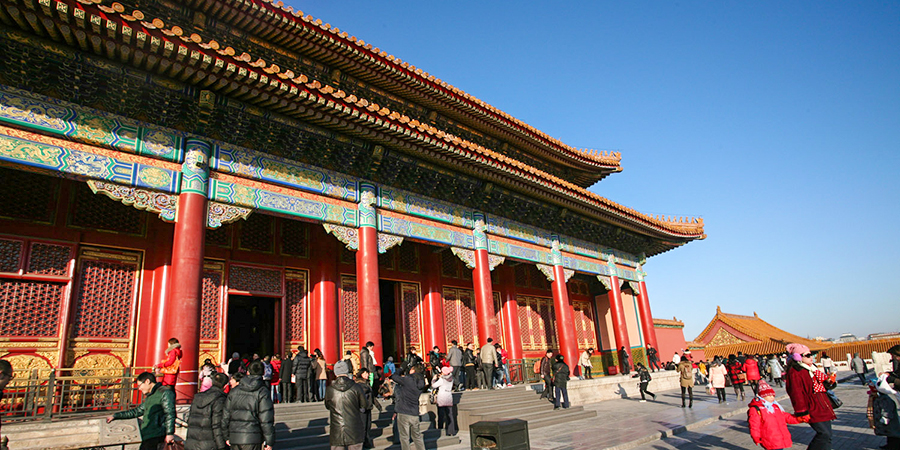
(717, 374)
(346, 401)
(561, 375)
(735, 368)
(685, 373)
(769, 428)
(301, 365)
(157, 413)
(751, 368)
(775, 368)
(444, 385)
(249, 416)
(172, 362)
(205, 421)
(799, 386)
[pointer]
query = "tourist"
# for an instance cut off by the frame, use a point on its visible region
(751, 368)
(807, 386)
(893, 377)
(170, 366)
(389, 367)
(547, 375)
(367, 360)
(479, 370)
(686, 378)
(623, 360)
(827, 364)
(234, 381)
(653, 358)
(443, 382)
(676, 359)
(560, 382)
(737, 375)
(644, 376)
(300, 366)
(489, 362)
(469, 363)
(206, 373)
(6, 375)
(407, 407)
(320, 372)
(435, 359)
(249, 418)
(775, 370)
(234, 364)
(411, 359)
(287, 379)
(717, 374)
(274, 380)
(769, 421)
(363, 378)
(205, 418)
(503, 365)
(859, 366)
(455, 358)
(585, 363)
(344, 400)
(157, 412)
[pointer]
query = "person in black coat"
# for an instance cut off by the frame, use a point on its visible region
(623, 360)
(346, 401)
(301, 365)
(205, 419)
(287, 386)
(249, 416)
(362, 378)
(560, 382)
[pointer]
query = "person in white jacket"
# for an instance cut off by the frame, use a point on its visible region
(443, 382)
(585, 362)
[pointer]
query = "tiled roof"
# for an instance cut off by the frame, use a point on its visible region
(673, 322)
(767, 337)
(864, 348)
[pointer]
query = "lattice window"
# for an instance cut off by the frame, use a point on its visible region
(106, 294)
(258, 233)
(449, 264)
(49, 259)
(460, 321)
(40, 203)
(255, 279)
(94, 211)
(295, 295)
(408, 257)
(537, 279)
(451, 315)
(578, 287)
(522, 275)
(411, 314)
(10, 255)
(220, 237)
(30, 308)
(209, 304)
(386, 260)
(584, 325)
(347, 256)
(294, 238)
(349, 303)
(522, 311)
(537, 322)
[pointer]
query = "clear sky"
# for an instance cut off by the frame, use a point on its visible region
(778, 123)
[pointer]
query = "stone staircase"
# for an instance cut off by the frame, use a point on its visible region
(516, 402)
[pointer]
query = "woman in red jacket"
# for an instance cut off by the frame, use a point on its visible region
(805, 385)
(169, 367)
(751, 368)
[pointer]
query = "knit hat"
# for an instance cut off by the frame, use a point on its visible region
(341, 368)
(765, 389)
(446, 370)
(799, 349)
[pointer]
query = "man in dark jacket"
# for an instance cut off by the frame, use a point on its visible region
(249, 417)
(407, 407)
(287, 386)
(547, 375)
(205, 419)
(455, 359)
(346, 401)
(623, 360)
(157, 412)
(367, 359)
(301, 373)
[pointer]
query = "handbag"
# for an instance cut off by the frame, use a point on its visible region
(742, 377)
(171, 370)
(835, 401)
(174, 445)
(433, 396)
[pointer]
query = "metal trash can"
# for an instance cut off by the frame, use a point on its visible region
(500, 434)
(612, 370)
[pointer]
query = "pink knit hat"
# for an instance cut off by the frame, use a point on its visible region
(799, 349)
(446, 370)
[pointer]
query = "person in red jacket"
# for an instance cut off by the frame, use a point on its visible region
(805, 385)
(751, 368)
(169, 367)
(769, 421)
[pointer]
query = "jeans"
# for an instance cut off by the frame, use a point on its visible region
(321, 385)
(645, 391)
(654, 362)
(690, 392)
(471, 382)
(504, 374)
(586, 372)
(560, 394)
(822, 439)
(862, 378)
(720, 394)
(276, 393)
(408, 428)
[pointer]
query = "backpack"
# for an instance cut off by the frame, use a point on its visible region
(267, 372)
(537, 366)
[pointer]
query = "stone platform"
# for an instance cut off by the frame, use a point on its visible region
(598, 389)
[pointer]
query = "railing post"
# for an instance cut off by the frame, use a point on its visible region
(124, 392)
(51, 391)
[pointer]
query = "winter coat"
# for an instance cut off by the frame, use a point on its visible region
(585, 359)
(287, 369)
(469, 357)
(455, 356)
(644, 375)
(799, 386)
(560, 375)
(172, 361)
(751, 368)
(735, 369)
(276, 371)
(366, 360)
(770, 428)
(884, 415)
(321, 374)
(157, 413)
(717, 376)
(234, 366)
(301, 365)
(411, 386)
(205, 421)
(249, 416)
(546, 368)
(346, 401)
(444, 385)
(858, 365)
(686, 373)
(775, 368)
(489, 354)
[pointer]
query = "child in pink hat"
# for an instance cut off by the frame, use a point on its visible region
(769, 421)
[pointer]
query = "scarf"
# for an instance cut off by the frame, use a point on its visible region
(817, 376)
(770, 406)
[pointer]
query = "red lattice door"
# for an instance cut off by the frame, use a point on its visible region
(410, 309)
(296, 296)
(211, 311)
(585, 331)
(536, 323)
(349, 304)
(459, 315)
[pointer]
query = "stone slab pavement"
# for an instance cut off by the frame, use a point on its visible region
(662, 424)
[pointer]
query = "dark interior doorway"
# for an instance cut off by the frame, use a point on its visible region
(251, 325)
(390, 338)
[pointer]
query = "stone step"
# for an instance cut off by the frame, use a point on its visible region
(67, 440)
(9, 428)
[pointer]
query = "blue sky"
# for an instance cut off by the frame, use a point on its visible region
(777, 122)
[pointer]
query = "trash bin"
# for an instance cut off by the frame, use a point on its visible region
(612, 370)
(500, 434)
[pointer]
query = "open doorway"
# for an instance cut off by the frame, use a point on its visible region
(251, 325)
(390, 338)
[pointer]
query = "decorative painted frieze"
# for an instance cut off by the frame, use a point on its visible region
(605, 281)
(368, 217)
(284, 202)
(390, 223)
(468, 257)
(635, 287)
(548, 272)
(386, 241)
(405, 202)
(155, 202)
(478, 232)
(347, 235)
(195, 168)
(218, 214)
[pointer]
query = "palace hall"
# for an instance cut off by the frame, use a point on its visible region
(246, 178)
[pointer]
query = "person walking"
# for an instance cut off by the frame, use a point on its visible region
(806, 386)
(503, 359)
(653, 358)
(489, 362)
(170, 366)
(751, 368)
(623, 360)
(300, 366)
(345, 401)
(686, 378)
(827, 364)
(717, 374)
(547, 375)
(455, 358)
(469, 363)
(287, 376)
(768, 421)
(249, 417)
(443, 382)
(367, 359)
(407, 406)
(775, 370)
(560, 382)
(205, 418)
(859, 366)
(737, 375)
(644, 377)
(585, 363)
(157, 412)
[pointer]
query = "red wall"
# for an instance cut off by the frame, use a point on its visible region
(670, 340)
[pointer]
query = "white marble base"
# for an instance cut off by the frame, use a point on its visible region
(616, 386)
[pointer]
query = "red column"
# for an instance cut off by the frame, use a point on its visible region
(510, 311)
(646, 317)
(434, 302)
(484, 297)
(155, 323)
(620, 328)
(565, 317)
(367, 285)
(324, 332)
